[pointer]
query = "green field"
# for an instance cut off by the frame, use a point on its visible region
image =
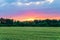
(29, 33)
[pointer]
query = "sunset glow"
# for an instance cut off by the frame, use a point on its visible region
(29, 10)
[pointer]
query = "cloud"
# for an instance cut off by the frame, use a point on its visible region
(19, 3)
(4, 4)
(50, 1)
(25, 2)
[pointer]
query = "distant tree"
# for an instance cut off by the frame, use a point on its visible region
(40, 23)
(9, 21)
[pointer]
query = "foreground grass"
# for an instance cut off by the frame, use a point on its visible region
(29, 33)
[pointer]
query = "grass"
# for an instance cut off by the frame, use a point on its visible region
(29, 33)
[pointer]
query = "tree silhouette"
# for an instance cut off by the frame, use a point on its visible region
(37, 23)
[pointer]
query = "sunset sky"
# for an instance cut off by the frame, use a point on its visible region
(23, 10)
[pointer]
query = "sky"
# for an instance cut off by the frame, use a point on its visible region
(23, 10)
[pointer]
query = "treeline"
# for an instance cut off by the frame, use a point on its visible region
(35, 23)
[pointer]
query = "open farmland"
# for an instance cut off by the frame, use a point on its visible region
(29, 33)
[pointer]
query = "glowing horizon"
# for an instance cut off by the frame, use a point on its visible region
(29, 10)
(33, 15)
